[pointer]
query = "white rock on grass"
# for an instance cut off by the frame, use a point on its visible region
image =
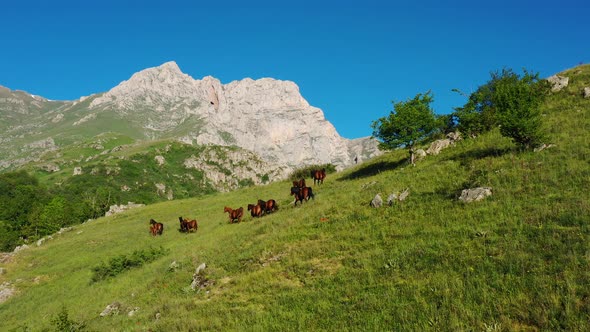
(558, 82)
(377, 201)
(475, 194)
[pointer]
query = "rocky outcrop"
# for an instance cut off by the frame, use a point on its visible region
(586, 92)
(7, 290)
(46, 144)
(50, 168)
(111, 309)
(114, 209)
(266, 116)
(438, 145)
(200, 281)
(160, 160)
(87, 118)
(227, 168)
(558, 82)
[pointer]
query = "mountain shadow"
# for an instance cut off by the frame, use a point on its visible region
(374, 169)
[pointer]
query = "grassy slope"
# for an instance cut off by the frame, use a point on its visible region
(519, 260)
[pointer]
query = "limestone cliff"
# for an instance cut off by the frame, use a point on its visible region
(266, 116)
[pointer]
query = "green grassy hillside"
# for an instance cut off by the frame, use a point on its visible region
(518, 261)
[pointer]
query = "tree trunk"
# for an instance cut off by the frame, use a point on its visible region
(412, 157)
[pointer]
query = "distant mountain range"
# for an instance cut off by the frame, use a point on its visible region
(267, 117)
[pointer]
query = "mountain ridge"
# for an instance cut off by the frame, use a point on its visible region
(266, 116)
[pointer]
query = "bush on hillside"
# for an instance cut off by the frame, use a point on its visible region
(62, 322)
(122, 263)
(518, 101)
(509, 101)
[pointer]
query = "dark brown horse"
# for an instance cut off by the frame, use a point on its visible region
(262, 205)
(300, 183)
(255, 210)
(234, 214)
(318, 176)
(156, 228)
(302, 194)
(271, 205)
(182, 224)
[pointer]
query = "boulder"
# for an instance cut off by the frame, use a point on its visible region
(77, 170)
(50, 168)
(391, 199)
(454, 136)
(404, 194)
(199, 279)
(161, 189)
(438, 145)
(132, 312)
(397, 197)
(420, 154)
(586, 92)
(160, 160)
(377, 201)
(475, 194)
(111, 309)
(558, 82)
(21, 248)
(6, 291)
(173, 266)
(543, 147)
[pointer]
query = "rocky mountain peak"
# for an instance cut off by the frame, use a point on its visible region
(266, 116)
(165, 84)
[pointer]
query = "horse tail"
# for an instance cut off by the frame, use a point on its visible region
(311, 193)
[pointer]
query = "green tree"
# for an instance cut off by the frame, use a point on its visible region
(408, 124)
(509, 101)
(54, 215)
(518, 107)
(477, 116)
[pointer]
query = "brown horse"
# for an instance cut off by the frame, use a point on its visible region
(271, 205)
(188, 225)
(156, 228)
(255, 210)
(262, 205)
(301, 194)
(234, 214)
(300, 183)
(318, 176)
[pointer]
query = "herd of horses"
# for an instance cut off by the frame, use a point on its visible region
(299, 190)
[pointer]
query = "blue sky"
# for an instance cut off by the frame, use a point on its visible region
(349, 58)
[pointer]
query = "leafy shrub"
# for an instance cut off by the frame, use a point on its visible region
(507, 100)
(62, 322)
(122, 263)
